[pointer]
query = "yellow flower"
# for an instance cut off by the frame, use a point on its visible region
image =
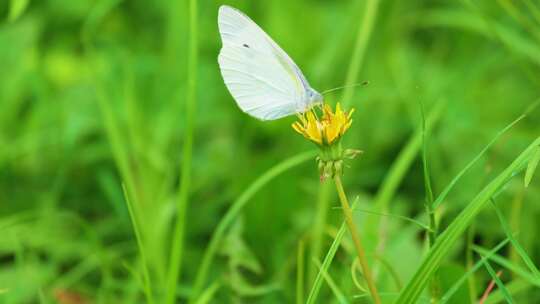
(326, 130)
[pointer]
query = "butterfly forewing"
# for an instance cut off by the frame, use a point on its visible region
(260, 76)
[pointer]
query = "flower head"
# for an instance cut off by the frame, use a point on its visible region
(328, 129)
(326, 132)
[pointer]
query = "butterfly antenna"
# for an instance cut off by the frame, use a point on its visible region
(365, 83)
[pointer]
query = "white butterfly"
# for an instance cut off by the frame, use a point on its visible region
(261, 77)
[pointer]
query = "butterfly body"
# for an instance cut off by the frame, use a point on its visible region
(262, 78)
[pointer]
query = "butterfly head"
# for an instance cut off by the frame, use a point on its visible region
(314, 98)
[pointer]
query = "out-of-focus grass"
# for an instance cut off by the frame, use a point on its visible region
(93, 96)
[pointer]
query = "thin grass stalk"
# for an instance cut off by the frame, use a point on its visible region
(428, 205)
(300, 272)
(232, 213)
(146, 274)
(469, 259)
(121, 158)
(356, 240)
(175, 262)
(317, 232)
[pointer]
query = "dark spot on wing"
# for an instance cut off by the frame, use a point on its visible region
(245, 45)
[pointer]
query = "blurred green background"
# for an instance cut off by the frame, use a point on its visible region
(93, 95)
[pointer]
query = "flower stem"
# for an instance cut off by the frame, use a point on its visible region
(356, 240)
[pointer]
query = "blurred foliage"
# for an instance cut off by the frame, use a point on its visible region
(64, 156)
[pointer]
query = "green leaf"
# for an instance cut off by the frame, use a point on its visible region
(531, 168)
(446, 240)
(16, 9)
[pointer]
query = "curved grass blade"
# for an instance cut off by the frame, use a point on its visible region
(446, 240)
(235, 209)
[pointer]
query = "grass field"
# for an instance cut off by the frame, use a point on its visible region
(129, 175)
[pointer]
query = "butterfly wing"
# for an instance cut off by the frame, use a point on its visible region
(261, 77)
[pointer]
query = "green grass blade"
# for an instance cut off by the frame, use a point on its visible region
(146, 274)
(207, 295)
(514, 287)
(333, 286)
(177, 250)
(362, 39)
(398, 171)
(314, 292)
(428, 204)
(300, 272)
(233, 212)
(396, 216)
(498, 281)
(520, 250)
(319, 224)
(531, 168)
(446, 240)
(16, 9)
(454, 288)
(427, 178)
(510, 266)
(454, 181)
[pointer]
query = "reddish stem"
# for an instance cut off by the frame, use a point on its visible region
(489, 289)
